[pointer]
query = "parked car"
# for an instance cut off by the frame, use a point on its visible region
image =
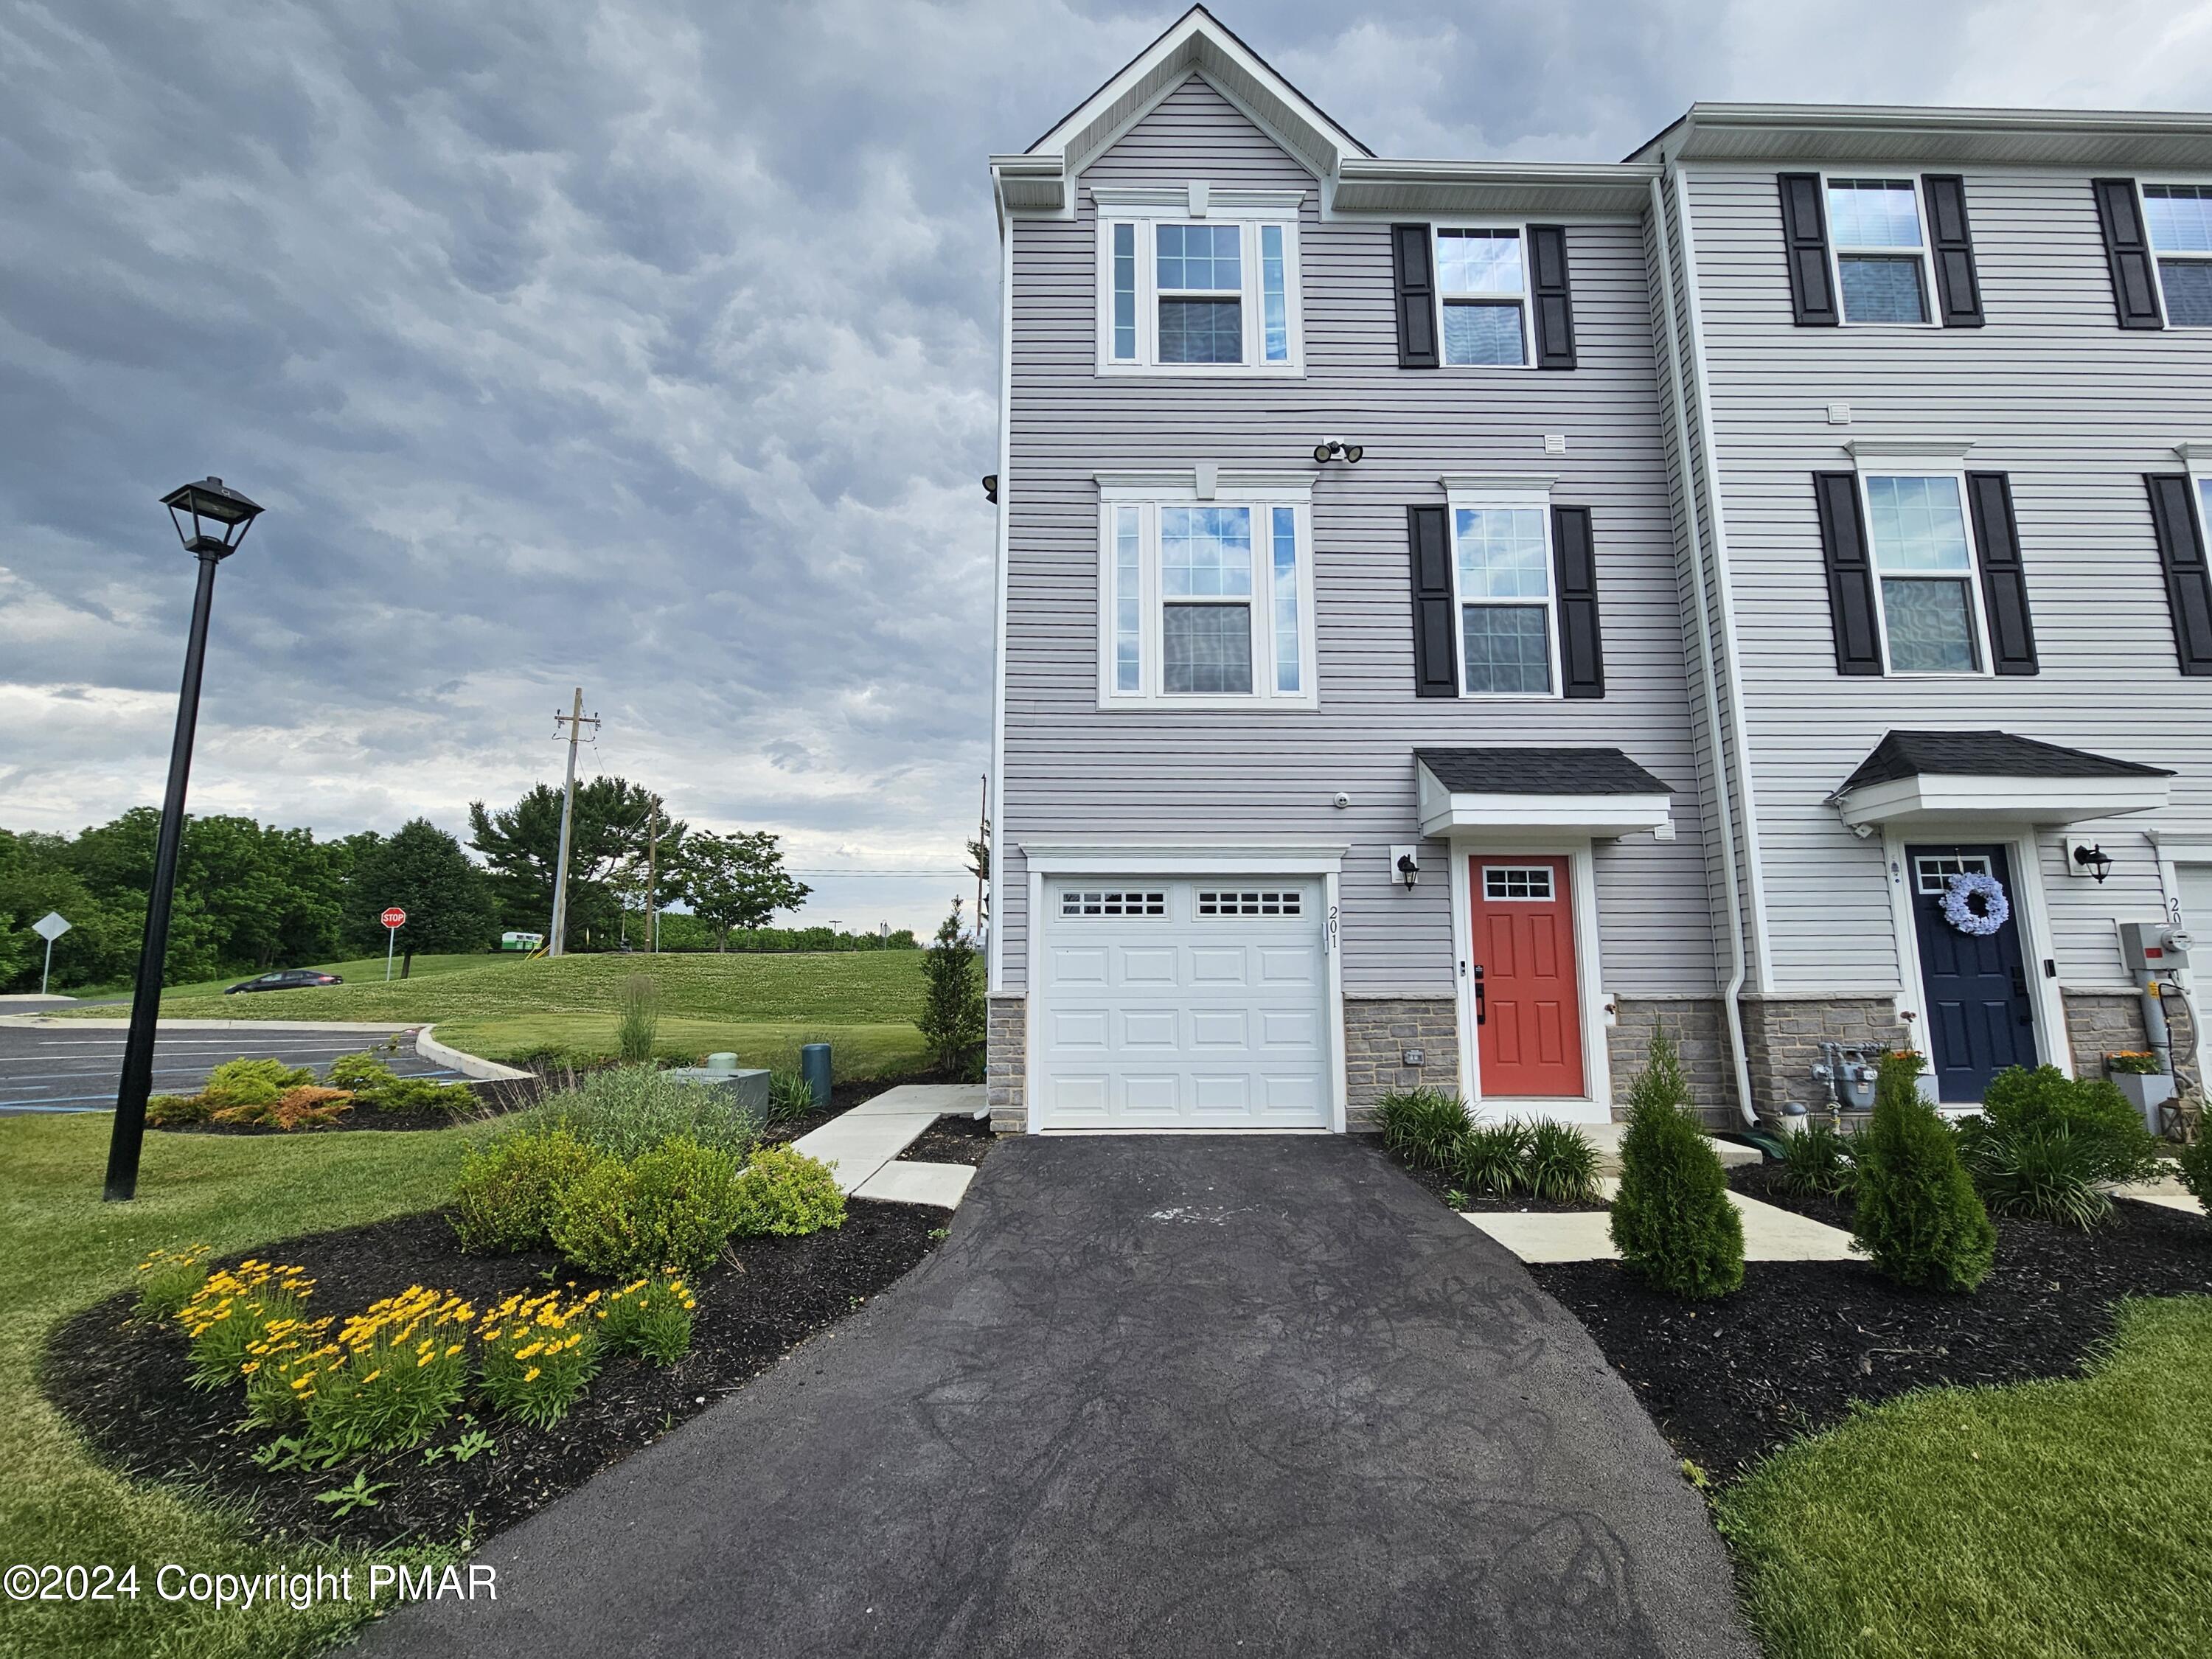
(285, 979)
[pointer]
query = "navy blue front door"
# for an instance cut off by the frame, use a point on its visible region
(1975, 986)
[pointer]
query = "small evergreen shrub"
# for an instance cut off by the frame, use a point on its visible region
(650, 1317)
(375, 1086)
(1423, 1126)
(1672, 1220)
(1919, 1218)
(243, 1082)
(1489, 1159)
(397, 1372)
(306, 1107)
(674, 1207)
(786, 1192)
(952, 1022)
(169, 1111)
(2196, 1161)
(1816, 1161)
(538, 1355)
(1559, 1165)
(168, 1279)
(635, 1109)
(641, 1020)
(508, 1191)
(2092, 1109)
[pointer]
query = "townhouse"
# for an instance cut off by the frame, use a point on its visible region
(1456, 619)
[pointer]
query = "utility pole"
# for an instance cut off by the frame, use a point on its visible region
(574, 720)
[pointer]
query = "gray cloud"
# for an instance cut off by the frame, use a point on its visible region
(652, 346)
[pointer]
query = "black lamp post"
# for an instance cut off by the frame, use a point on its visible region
(219, 518)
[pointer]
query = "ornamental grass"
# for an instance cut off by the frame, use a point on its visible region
(650, 1317)
(234, 1309)
(538, 1354)
(399, 1370)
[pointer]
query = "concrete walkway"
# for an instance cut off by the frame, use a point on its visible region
(1771, 1233)
(864, 1143)
(1167, 1396)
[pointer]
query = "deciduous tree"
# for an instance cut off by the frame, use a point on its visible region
(737, 880)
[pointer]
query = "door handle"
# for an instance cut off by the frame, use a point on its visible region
(2026, 1015)
(1481, 1013)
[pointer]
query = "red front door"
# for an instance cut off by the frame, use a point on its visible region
(1530, 1025)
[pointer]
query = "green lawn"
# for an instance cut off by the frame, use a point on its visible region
(2051, 1520)
(61, 1249)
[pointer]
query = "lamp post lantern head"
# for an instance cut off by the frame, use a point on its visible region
(219, 517)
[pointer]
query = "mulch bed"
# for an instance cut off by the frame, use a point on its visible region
(1441, 1188)
(1728, 1381)
(494, 1099)
(123, 1382)
(955, 1140)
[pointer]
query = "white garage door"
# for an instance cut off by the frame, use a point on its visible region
(1197, 1003)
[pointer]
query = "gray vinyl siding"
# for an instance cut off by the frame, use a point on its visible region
(2052, 392)
(1072, 771)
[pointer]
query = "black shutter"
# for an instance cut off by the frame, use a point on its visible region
(1850, 572)
(1555, 307)
(1581, 652)
(1436, 664)
(2188, 580)
(1958, 288)
(2004, 578)
(1805, 238)
(2127, 251)
(1417, 297)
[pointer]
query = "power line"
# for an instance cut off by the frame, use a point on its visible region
(948, 872)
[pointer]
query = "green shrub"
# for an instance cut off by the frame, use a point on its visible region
(2120, 1146)
(1672, 1220)
(1560, 1165)
(168, 1279)
(952, 1017)
(1489, 1159)
(634, 1109)
(1423, 1126)
(397, 1372)
(509, 1190)
(650, 1317)
(782, 1191)
(244, 1082)
(310, 1106)
(1919, 1218)
(789, 1095)
(2048, 1172)
(363, 1075)
(538, 1355)
(2196, 1161)
(167, 1111)
(674, 1207)
(1816, 1161)
(641, 1020)
(374, 1085)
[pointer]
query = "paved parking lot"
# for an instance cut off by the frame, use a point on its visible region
(66, 1067)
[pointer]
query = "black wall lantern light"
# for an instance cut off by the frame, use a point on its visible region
(2096, 861)
(212, 520)
(1334, 449)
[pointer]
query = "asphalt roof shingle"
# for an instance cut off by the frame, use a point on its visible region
(1515, 769)
(1986, 754)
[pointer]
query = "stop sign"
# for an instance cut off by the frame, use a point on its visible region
(395, 917)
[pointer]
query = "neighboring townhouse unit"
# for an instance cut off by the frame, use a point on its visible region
(1434, 648)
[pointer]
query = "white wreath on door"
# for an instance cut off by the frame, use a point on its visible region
(1959, 893)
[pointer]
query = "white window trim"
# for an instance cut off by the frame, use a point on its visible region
(2142, 212)
(1248, 210)
(1260, 492)
(1527, 301)
(1837, 250)
(1975, 601)
(2197, 461)
(1460, 499)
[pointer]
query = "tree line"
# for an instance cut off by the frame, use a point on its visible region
(251, 897)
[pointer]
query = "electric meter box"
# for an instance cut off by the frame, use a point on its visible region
(2153, 947)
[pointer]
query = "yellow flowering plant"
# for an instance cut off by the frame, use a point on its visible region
(538, 1353)
(398, 1370)
(233, 1310)
(650, 1317)
(168, 1280)
(282, 1367)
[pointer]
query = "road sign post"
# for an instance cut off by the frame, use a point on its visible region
(50, 927)
(393, 920)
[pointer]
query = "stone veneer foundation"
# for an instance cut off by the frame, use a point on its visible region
(2100, 1023)
(1378, 1031)
(1783, 1034)
(1005, 1074)
(1694, 1025)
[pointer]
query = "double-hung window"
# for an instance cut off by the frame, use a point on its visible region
(1482, 286)
(1206, 602)
(1926, 574)
(1880, 249)
(1185, 295)
(2178, 220)
(1502, 572)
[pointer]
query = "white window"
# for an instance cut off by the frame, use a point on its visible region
(1115, 901)
(1502, 575)
(1206, 602)
(1190, 296)
(2178, 220)
(1526, 883)
(1932, 871)
(1882, 250)
(1248, 902)
(1482, 291)
(1924, 566)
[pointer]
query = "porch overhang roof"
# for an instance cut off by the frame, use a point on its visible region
(1598, 792)
(1932, 779)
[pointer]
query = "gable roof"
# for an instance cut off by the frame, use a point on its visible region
(1986, 754)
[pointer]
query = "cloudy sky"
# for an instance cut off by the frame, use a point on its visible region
(652, 346)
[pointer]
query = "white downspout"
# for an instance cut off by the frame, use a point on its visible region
(1731, 1011)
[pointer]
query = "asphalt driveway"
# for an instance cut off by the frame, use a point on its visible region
(1154, 1396)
